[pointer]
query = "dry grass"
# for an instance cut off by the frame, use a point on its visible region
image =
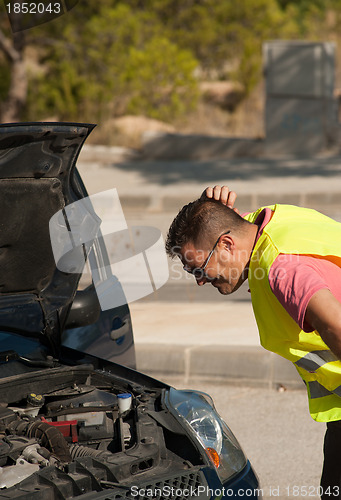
(246, 121)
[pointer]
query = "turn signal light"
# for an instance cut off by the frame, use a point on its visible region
(213, 456)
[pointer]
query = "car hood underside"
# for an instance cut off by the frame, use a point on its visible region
(37, 164)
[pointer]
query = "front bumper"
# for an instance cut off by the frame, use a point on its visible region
(197, 483)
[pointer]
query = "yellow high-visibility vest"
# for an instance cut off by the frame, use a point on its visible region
(294, 230)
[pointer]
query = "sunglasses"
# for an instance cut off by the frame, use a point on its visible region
(199, 272)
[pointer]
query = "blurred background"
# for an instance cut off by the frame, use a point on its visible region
(185, 66)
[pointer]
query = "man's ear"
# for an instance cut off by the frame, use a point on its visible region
(226, 242)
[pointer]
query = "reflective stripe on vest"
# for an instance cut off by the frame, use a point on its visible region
(318, 391)
(300, 231)
(315, 359)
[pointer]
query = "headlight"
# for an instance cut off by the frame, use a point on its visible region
(196, 411)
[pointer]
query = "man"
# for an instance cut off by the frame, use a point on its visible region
(291, 257)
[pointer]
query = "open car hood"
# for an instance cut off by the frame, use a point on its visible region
(37, 166)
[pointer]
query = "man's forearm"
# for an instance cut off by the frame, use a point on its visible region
(324, 315)
(333, 340)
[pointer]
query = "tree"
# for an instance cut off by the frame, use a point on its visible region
(225, 37)
(117, 61)
(106, 58)
(15, 81)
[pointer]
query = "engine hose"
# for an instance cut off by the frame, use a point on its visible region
(50, 437)
(78, 451)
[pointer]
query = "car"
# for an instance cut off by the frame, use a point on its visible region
(76, 418)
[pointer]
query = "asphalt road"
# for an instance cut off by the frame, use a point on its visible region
(277, 434)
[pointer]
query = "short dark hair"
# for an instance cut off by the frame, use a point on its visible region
(201, 221)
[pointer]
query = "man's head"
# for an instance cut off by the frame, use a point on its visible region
(213, 242)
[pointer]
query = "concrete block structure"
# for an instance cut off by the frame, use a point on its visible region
(301, 110)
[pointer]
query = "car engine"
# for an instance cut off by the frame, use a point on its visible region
(78, 430)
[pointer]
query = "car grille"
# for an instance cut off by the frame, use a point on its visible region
(177, 487)
(96, 483)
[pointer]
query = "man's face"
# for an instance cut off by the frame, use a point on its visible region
(226, 269)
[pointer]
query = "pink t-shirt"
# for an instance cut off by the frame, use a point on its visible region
(294, 279)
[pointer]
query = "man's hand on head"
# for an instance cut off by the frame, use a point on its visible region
(222, 194)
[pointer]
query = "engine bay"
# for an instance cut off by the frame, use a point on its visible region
(74, 430)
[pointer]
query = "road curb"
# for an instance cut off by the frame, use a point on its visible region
(242, 365)
(321, 201)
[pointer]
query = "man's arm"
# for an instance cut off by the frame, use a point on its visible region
(323, 313)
